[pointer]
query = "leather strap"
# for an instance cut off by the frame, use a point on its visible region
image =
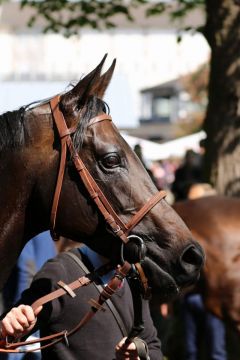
(99, 288)
(118, 227)
(144, 282)
(113, 285)
(94, 191)
(145, 209)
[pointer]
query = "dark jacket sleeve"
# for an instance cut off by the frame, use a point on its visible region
(149, 334)
(44, 282)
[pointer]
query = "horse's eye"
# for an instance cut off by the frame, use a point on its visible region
(111, 161)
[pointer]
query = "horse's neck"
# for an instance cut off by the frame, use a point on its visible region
(14, 195)
(10, 246)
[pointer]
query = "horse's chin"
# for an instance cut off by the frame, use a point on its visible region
(161, 282)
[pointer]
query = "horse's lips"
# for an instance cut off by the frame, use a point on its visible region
(160, 280)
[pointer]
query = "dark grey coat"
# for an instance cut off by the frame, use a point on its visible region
(97, 340)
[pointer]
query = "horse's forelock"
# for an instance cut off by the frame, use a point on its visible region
(92, 108)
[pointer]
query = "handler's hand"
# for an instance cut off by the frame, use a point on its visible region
(126, 351)
(19, 321)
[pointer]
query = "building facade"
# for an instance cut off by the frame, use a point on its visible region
(34, 65)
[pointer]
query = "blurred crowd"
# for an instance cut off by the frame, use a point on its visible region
(187, 330)
(175, 175)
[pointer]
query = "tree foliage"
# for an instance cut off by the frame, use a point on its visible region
(69, 16)
(221, 30)
(195, 84)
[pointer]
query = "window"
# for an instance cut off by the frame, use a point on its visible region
(162, 108)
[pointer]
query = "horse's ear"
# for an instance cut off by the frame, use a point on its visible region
(83, 89)
(105, 80)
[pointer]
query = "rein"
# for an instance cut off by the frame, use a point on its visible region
(116, 224)
(96, 304)
(10, 345)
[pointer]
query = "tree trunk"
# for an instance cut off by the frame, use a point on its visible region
(222, 123)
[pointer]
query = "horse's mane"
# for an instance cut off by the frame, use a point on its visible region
(13, 131)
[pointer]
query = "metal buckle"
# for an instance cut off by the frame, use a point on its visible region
(138, 241)
(117, 230)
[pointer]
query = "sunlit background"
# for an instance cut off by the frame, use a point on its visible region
(34, 65)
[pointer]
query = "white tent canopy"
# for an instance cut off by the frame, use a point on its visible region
(175, 148)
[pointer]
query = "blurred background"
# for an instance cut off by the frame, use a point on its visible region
(151, 93)
(174, 96)
(159, 89)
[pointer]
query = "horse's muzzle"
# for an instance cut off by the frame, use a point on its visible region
(191, 262)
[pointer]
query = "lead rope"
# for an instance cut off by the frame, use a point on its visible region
(139, 291)
(138, 325)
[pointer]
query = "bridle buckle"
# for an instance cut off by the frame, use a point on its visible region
(140, 245)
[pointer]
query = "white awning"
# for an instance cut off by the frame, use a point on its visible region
(175, 148)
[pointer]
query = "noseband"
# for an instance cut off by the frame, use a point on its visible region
(112, 219)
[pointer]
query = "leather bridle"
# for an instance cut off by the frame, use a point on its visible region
(112, 219)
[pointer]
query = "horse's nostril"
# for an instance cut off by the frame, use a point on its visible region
(192, 256)
(190, 262)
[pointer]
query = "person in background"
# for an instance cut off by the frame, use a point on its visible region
(189, 173)
(35, 253)
(198, 322)
(138, 151)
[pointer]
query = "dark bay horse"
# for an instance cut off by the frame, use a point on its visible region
(214, 222)
(29, 161)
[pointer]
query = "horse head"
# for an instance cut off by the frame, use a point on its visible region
(172, 258)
